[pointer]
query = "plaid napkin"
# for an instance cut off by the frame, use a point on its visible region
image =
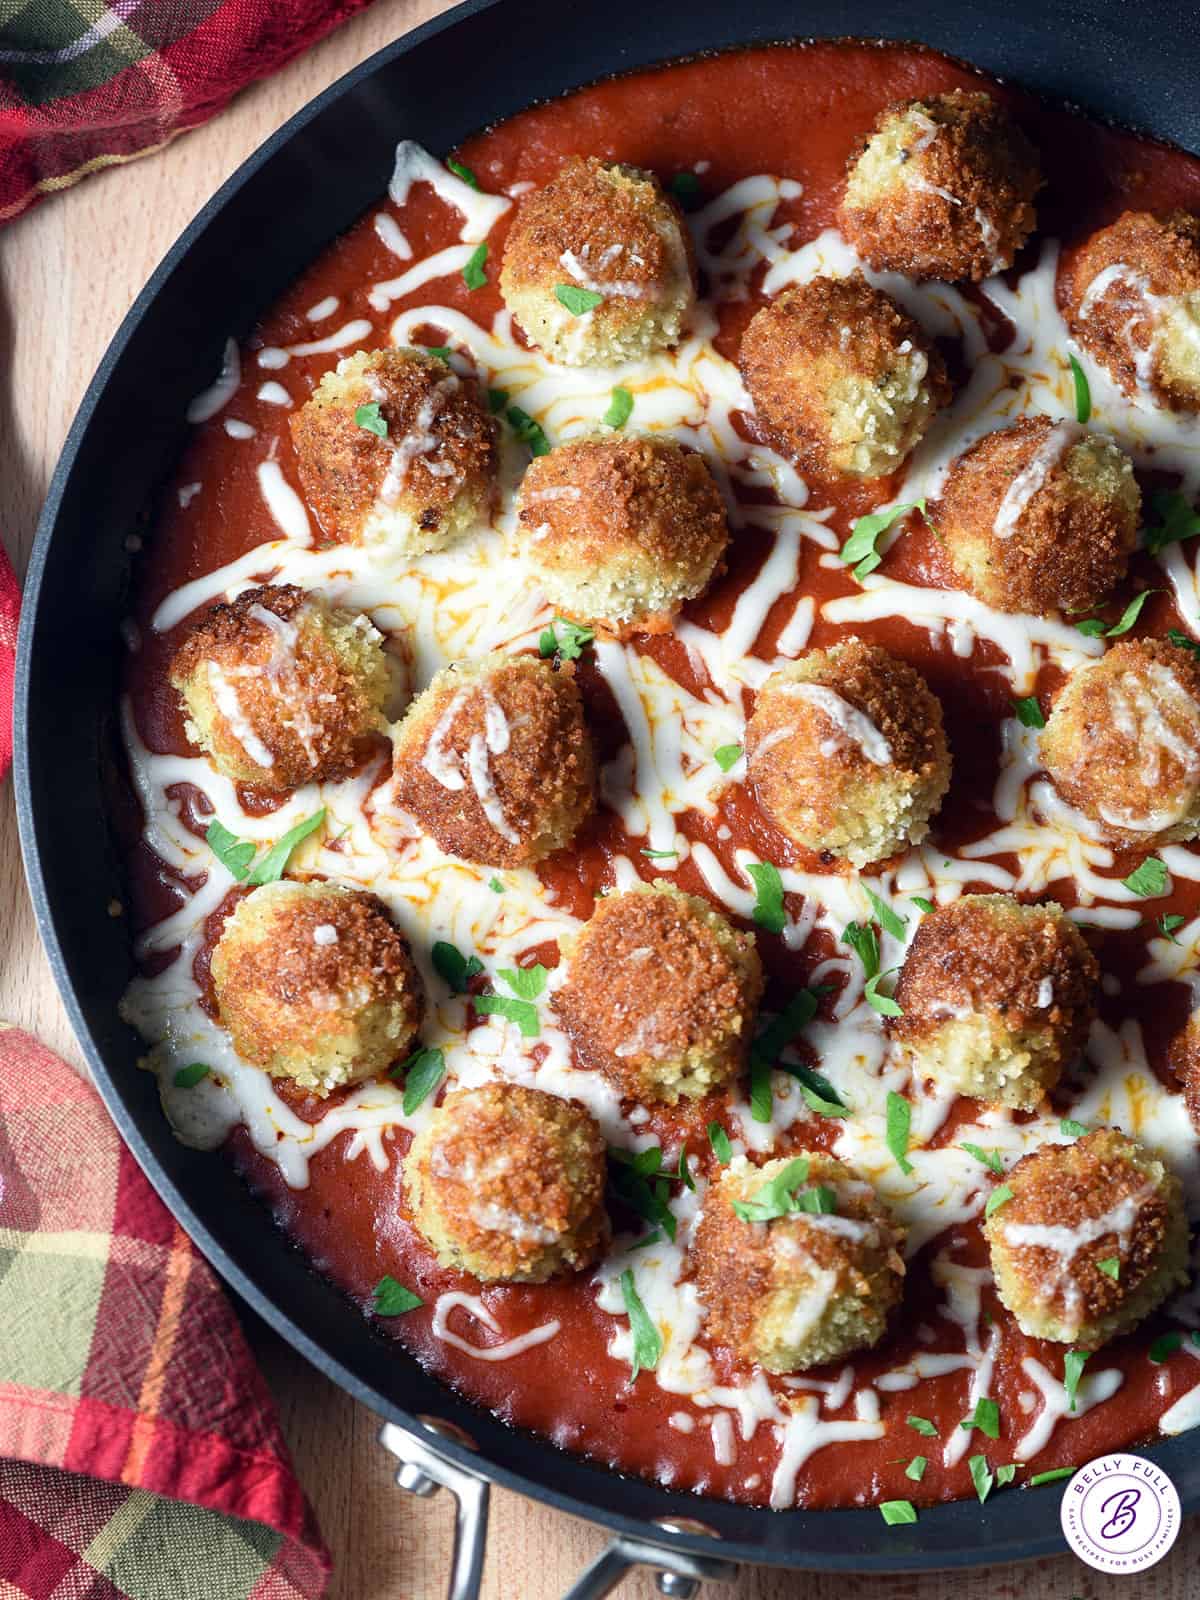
(84, 84)
(140, 1455)
(10, 610)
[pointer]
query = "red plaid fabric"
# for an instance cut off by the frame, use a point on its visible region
(84, 84)
(140, 1455)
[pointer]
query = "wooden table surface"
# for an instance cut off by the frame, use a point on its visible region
(68, 272)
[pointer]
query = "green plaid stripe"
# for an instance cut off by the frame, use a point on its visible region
(54, 49)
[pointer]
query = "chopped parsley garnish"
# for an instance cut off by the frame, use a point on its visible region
(1177, 520)
(1165, 1345)
(864, 941)
(647, 1341)
(859, 549)
(916, 1468)
(1000, 1196)
(1149, 880)
(1110, 1267)
(497, 399)
(188, 1077)
(392, 1299)
(638, 1181)
(455, 968)
(528, 431)
(422, 1073)
(1029, 712)
(576, 300)
(236, 854)
(981, 1476)
(888, 920)
(1168, 924)
(899, 1121)
(992, 1159)
(727, 756)
(526, 983)
(652, 1237)
(1073, 1364)
(495, 886)
(1083, 391)
(761, 1100)
(819, 1094)
(660, 855)
(1073, 1129)
(1096, 628)
(565, 639)
(620, 408)
(927, 906)
(985, 1417)
(1182, 640)
(468, 177)
(685, 186)
(923, 1426)
(784, 1196)
(1055, 1475)
(897, 1512)
(768, 905)
(883, 1003)
(441, 351)
(369, 417)
(474, 273)
(1005, 1474)
(719, 1139)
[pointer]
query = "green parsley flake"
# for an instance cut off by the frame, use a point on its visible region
(188, 1077)
(719, 1139)
(992, 1159)
(727, 756)
(1073, 1129)
(620, 408)
(236, 854)
(1182, 640)
(927, 906)
(761, 1100)
(1095, 627)
(916, 1468)
(864, 941)
(896, 1513)
(1083, 391)
(923, 1426)
(660, 855)
(859, 549)
(1110, 1267)
(1005, 1474)
(521, 1012)
(1167, 925)
(392, 1299)
(1164, 1346)
(638, 1183)
(685, 186)
(768, 906)
(528, 431)
(526, 983)
(1055, 1475)
(565, 639)
(495, 886)
(469, 178)
(819, 1094)
(1149, 880)
(985, 1417)
(647, 1341)
(899, 1121)
(883, 1003)
(441, 351)
(497, 399)
(453, 967)
(422, 1073)
(888, 920)
(1177, 520)
(981, 1476)
(369, 417)
(1000, 1196)
(475, 273)
(783, 1196)
(1073, 1364)
(576, 300)
(1029, 712)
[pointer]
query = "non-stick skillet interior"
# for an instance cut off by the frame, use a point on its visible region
(304, 187)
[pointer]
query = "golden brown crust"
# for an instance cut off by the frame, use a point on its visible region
(312, 695)
(1122, 743)
(543, 778)
(1183, 1058)
(979, 156)
(1069, 546)
(622, 530)
(817, 338)
(508, 1183)
(344, 468)
(660, 994)
(1163, 251)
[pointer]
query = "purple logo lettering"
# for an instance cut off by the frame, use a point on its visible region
(1122, 1515)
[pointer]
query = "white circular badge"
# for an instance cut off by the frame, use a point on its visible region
(1120, 1513)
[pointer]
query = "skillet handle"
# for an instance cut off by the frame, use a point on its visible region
(423, 1471)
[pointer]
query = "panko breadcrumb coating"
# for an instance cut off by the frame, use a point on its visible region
(315, 983)
(495, 761)
(1132, 300)
(606, 230)
(806, 1288)
(846, 752)
(1104, 1198)
(282, 689)
(425, 482)
(1122, 743)
(996, 998)
(507, 1183)
(1183, 1058)
(1040, 517)
(842, 379)
(620, 531)
(942, 188)
(660, 994)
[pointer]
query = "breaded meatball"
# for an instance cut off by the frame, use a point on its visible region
(1122, 743)
(1039, 517)
(507, 1184)
(996, 997)
(660, 994)
(620, 531)
(282, 689)
(315, 983)
(1133, 302)
(604, 230)
(1183, 1057)
(807, 1287)
(841, 378)
(495, 761)
(1104, 1198)
(846, 752)
(395, 449)
(942, 188)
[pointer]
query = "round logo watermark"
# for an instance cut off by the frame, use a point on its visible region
(1120, 1514)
